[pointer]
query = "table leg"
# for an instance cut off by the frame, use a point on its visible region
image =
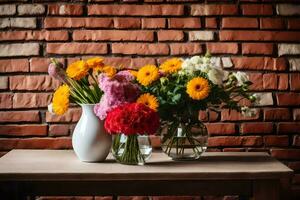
(266, 189)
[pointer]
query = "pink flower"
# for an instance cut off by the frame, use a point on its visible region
(56, 71)
(117, 90)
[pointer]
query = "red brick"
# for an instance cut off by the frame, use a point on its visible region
(221, 128)
(76, 48)
(257, 81)
(213, 9)
(14, 65)
(257, 48)
(296, 114)
(296, 140)
(59, 130)
(277, 114)
(239, 35)
(283, 82)
(295, 81)
(153, 23)
(286, 154)
(222, 141)
(184, 23)
(257, 9)
(270, 81)
(140, 49)
(260, 63)
(33, 82)
(127, 23)
(35, 143)
(19, 116)
(60, 22)
(233, 115)
(221, 48)
(112, 35)
(211, 22)
(31, 100)
(6, 100)
(293, 23)
(256, 128)
(213, 116)
(129, 62)
(155, 141)
(276, 140)
(288, 127)
(170, 35)
(72, 115)
(288, 99)
(203, 115)
(237, 22)
(185, 48)
(34, 35)
(41, 64)
(135, 10)
(65, 9)
(271, 23)
(23, 130)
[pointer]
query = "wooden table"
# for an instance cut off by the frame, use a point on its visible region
(59, 172)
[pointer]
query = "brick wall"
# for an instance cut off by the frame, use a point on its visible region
(261, 37)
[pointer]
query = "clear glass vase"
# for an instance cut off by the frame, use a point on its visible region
(132, 149)
(184, 141)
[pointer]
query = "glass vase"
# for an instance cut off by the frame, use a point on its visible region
(184, 141)
(131, 149)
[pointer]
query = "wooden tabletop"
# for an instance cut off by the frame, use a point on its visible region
(43, 165)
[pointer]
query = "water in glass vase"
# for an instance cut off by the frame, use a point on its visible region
(184, 141)
(131, 150)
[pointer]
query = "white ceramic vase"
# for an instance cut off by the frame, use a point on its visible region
(90, 141)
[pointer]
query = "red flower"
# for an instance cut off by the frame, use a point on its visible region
(132, 118)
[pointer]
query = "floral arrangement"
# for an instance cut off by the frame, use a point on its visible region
(179, 88)
(138, 102)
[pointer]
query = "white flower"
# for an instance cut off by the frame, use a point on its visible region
(248, 112)
(50, 108)
(196, 60)
(216, 76)
(241, 78)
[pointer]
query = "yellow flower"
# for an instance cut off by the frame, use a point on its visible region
(95, 63)
(133, 73)
(147, 74)
(77, 70)
(148, 100)
(171, 66)
(60, 100)
(198, 88)
(109, 71)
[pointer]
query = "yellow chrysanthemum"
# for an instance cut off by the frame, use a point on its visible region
(95, 63)
(60, 100)
(109, 71)
(198, 88)
(133, 73)
(171, 66)
(77, 70)
(147, 74)
(148, 100)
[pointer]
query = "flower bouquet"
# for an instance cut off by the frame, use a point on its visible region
(178, 89)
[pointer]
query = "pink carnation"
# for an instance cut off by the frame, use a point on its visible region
(117, 90)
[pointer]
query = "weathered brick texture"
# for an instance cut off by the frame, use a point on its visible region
(261, 38)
